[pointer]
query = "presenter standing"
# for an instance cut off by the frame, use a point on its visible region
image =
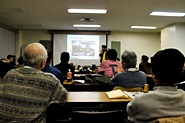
(103, 53)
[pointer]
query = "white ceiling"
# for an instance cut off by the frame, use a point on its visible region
(121, 14)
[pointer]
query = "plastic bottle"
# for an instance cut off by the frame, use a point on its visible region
(69, 75)
(119, 70)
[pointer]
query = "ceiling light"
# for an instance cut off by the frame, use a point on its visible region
(168, 14)
(143, 27)
(29, 25)
(95, 11)
(80, 25)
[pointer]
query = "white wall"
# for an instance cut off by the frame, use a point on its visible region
(141, 43)
(180, 37)
(173, 36)
(29, 36)
(168, 37)
(7, 42)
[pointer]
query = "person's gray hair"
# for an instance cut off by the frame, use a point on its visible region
(34, 58)
(129, 59)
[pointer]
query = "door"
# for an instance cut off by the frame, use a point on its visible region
(116, 45)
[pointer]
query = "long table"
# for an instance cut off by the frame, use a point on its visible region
(75, 86)
(97, 97)
(95, 101)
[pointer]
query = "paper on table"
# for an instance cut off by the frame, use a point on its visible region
(80, 81)
(132, 94)
(116, 94)
(77, 75)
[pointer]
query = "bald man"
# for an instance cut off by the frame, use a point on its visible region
(26, 92)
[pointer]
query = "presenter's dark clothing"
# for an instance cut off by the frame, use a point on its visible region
(63, 67)
(54, 71)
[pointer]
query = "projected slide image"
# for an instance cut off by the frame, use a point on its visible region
(83, 48)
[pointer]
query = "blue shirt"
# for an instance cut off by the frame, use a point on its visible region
(54, 71)
(129, 79)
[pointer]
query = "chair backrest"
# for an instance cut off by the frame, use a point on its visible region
(57, 111)
(179, 119)
(181, 85)
(97, 117)
(1, 80)
(112, 66)
(12, 122)
(135, 89)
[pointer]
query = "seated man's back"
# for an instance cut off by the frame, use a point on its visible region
(165, 100)
(26, 92)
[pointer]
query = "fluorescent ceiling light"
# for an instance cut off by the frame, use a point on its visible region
(95, 11)
(143, 27)
(80, 25)
(168, 14)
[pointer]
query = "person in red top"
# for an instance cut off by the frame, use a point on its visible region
(112, 65)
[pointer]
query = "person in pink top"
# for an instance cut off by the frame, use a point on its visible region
(111, 66)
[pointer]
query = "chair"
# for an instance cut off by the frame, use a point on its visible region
(57, 112)
(112, 66)
(12, 122)
(1, 80)
(150, 82)
(135, 89)
(179, 119)
(181, 85)
(97, 116)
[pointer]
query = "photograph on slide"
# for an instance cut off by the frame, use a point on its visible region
(83, 47)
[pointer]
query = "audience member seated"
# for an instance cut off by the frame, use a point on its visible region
(20, 62)
(51, 69)
(4, 67)
(110, 66)
(131, 77)
(145, 66)
(26, 92)
(166, 100)
(182, 78)
(11, 59)
(64, 65)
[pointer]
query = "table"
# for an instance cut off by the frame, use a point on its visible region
(92, 97)
(76, 86)
(65, 82)
(95, 101)
(149, 75)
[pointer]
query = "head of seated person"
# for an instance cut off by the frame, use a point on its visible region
(64, 57)
(129, 59)
(112, 54)
(145, 66)
(167, 66)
